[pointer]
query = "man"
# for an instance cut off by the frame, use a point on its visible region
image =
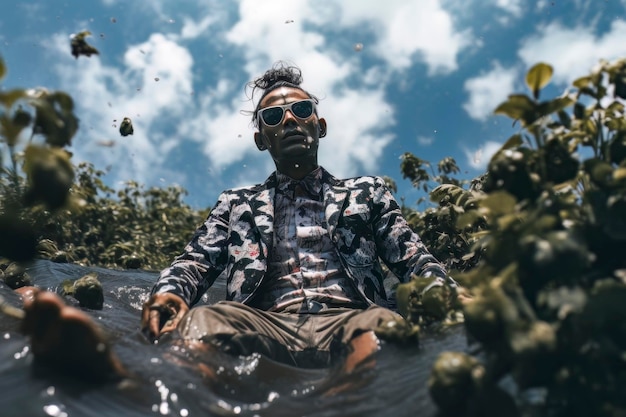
(300, 251)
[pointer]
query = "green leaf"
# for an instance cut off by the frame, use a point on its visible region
(498, 202)
(565, 119)
(601, 172)
(513, 142)
(619, 174)
(3, 69)
(8, 98)
(519, 107)
(582, 82)
(439, 192)
(548, 107)
(538, 77)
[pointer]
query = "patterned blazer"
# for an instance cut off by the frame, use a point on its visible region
(364, 222)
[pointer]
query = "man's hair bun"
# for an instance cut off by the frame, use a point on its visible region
(280, 75)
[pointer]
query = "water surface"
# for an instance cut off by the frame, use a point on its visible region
(168, 384)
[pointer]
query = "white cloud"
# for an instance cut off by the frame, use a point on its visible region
(488, 90)
(106, 94)
(573, 51)
(513, 7)
(400, 33)
(406, 31)
(192, 29)
(479, 157)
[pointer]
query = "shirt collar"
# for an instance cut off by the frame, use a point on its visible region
(310, 185)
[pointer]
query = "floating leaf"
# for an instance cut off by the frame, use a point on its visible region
(126, 127)
(538, 77)
(81, 47)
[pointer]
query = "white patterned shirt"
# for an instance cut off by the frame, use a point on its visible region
(304, 264)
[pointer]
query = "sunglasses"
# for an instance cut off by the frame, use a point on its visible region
(272, 116)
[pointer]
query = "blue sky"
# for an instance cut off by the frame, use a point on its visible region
(426, 79)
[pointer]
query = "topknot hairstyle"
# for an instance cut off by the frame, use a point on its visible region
(280, 75)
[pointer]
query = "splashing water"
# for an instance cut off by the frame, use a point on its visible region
(168, 380)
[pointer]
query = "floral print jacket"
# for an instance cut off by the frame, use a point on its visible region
(364, 222)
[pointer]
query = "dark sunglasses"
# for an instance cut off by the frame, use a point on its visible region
(272, 116)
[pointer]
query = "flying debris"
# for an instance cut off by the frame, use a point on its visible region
(126, 128)
(106, 143)
(81, 47)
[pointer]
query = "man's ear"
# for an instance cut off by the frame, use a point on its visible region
(258, 139)
(323, 127)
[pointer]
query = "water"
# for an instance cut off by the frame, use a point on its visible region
(168, 383)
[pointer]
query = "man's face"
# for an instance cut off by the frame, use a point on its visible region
(293, 138)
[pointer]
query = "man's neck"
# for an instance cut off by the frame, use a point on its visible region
(296, 170)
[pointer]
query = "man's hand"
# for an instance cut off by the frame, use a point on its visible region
(161, 314)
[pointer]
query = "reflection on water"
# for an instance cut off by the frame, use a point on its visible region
(168, 381)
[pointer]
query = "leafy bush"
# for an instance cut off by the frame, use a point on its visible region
(549, 230)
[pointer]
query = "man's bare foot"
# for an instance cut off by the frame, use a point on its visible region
(67, 340)
(27, 293)
(362, 350)
(361, 357)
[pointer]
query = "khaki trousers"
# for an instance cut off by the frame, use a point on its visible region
(305, 335)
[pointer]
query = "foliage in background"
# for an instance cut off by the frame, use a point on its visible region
(42, 159)
(548, 227)
(51, 209)
(438, 225)
(133, 228)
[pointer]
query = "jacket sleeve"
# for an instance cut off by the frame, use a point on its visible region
(203, 259)
(400, 248)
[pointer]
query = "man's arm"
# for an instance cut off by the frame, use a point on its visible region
(184, 282)
(397, 244)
